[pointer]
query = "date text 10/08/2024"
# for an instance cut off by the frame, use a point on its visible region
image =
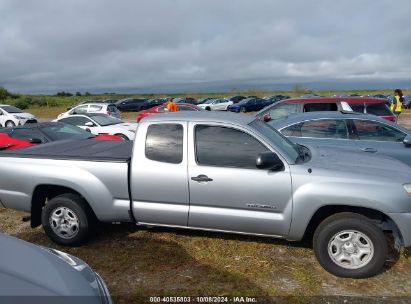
(203, 300)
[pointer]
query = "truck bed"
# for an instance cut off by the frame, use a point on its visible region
(90, 150)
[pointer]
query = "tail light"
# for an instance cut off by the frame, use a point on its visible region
(390, 118)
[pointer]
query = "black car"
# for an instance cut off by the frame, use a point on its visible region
(157, 102)
(275, 98)
(44, 132)
(249, 105)
(407, 101)
(236, 98)
(132, 104)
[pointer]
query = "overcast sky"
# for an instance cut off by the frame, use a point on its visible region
(95, 44)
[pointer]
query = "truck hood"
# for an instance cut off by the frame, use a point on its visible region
(351, 163)
(30, 270)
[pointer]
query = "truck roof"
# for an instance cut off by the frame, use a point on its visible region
(206, 116)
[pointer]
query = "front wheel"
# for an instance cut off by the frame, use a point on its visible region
(350, 245)
(67, 220)
(243, 110)
(10, 124)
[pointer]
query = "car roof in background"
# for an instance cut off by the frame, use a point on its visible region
(299, 117)
(349, 99)
(38, 125)
(203, 116)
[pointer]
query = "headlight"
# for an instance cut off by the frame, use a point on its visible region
(19, 117)
(134, 131)
(407, 188)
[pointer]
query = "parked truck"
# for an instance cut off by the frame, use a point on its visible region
(219, 172)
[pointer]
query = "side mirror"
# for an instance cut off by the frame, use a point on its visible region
(89, 124)
(35, 141)
(407, 141)
(269, 161)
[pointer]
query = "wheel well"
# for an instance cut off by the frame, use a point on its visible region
(41, 195)
(380, 219)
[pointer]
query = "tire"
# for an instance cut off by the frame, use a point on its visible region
(208, 109)
(242, 110)
(9, 124)
(337, 229)
(80, 219)
(123, 137)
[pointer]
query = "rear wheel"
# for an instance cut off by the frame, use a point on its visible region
(350, 245)
(123, 137)
(67, 220)
(208, 109)
(10, 124)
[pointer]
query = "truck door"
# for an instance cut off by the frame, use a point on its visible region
(158, 178)
(227, 191)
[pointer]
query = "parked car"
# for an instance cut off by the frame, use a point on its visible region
(101, 124)
(132, 104)
(156, 102)
(9, 143)
(374, 106)
(44, 132)
(235, 99)
(203, 100)
(36, 274)
(218, 172)
(248, 105)
(109, 109)
(11, 116)
(216, 105)
(349, 130)
(189, 100)
(163, 109)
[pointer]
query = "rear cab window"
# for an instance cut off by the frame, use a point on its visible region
(164, 143)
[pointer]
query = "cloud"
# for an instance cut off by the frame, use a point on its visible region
(56, 44)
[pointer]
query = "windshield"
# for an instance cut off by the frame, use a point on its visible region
(103, 120)
(11, 109)
(277, 139)
(66, 131)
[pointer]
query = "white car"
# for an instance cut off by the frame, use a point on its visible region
(216, 105)
(98, 123)
(104, 108)
(11, 116)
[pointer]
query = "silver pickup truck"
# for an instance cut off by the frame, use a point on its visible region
(221, 172)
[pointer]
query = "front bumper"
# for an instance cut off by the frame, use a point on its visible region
(403, 222)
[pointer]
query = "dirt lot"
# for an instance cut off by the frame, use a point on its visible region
(137, 263)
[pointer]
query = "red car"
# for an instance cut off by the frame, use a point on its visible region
(10, 143)
(163, 109)
(368, 105)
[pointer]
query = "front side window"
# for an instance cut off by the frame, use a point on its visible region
(164, 143)
(226, 147)
(65, 131)
(372, 130)
(324, 128)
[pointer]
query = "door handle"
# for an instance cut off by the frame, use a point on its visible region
(202, 178)
(370, 150)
